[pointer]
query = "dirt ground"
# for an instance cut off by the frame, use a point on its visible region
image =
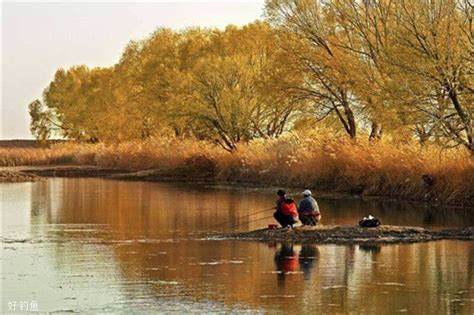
(353, 234)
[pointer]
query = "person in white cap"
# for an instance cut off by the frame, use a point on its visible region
(308, 210)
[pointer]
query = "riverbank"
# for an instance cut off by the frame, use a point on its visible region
(36, 173)
(353, 234)
(403, 172)
(33, 173)
(15, 177)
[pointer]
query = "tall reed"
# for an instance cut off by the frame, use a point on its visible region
(381, 168)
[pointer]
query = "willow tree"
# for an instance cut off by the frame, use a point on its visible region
(261, 44)
(365, 32)
(147, 75)
(323, 66)
(41, 125)
(221, 100)
(432, 53)
(229, 96)
(65, 95)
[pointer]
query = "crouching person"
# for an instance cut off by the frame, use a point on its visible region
(308, 210)
(286, 212)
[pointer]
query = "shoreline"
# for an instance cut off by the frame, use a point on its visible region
(26, 173)
(353, 234)
(7, 176)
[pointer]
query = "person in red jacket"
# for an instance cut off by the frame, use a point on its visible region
(286, 211)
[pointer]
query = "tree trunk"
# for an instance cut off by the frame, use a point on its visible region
(347, 118)
(375, 132)
(351, 124)
(470, 147)
(225, 140)
(465, 118)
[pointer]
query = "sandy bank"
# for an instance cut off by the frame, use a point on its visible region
(63, 171)
(353, 234)
(14, 177)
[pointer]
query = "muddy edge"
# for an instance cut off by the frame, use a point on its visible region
(353, 234)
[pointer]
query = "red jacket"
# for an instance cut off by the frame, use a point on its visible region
(289, 209)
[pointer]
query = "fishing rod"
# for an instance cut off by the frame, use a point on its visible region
(244, 216)
(249, 222)
(265, 218)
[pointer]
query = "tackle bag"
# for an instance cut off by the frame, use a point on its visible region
(369, 221)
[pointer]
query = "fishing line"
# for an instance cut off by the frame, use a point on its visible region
(259, 219)
(244, 216)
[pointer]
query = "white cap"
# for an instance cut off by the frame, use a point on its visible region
(307, 192)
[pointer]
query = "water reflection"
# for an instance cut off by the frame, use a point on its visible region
(370, 248)
(185, 208)
(286, 261)
(108, 246)
(309, 254)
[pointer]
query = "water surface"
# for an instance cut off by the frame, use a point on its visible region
(95, 245)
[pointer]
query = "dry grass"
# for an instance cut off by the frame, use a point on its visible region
(60, 154)
(293, 160)
(368, 168)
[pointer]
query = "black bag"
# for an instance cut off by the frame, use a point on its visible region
(369, 222)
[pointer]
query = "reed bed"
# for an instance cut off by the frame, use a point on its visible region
(405, 171)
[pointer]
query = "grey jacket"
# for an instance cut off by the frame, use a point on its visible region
(308, 204)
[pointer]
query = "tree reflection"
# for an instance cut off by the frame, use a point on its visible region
(125, 240)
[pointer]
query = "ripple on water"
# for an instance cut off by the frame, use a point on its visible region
(219, 262)
(287, 296)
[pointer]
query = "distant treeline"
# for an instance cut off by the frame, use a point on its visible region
(402, 69)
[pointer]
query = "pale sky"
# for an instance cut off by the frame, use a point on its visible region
(40, 37)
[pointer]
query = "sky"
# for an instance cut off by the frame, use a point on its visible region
(40, 37)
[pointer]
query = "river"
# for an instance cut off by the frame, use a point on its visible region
(107, 246)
